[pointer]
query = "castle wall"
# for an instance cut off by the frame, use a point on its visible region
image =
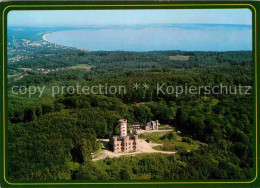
(129, 145)
(124, 145)
(117, 147)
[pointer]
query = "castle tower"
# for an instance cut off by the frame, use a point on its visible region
(123, 127)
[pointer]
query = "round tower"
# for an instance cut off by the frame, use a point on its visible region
(123, 127)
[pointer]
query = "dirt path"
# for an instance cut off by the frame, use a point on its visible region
(142, 147)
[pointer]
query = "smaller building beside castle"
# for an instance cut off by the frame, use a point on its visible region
(153, 125)
(135, 129)
(124, 142)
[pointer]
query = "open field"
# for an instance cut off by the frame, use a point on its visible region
(179, 58)
(81, 66)
(176, 143)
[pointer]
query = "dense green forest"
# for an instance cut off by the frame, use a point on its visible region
(127, 61)
(52, 138)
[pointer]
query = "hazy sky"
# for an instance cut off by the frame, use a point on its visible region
(117, 17)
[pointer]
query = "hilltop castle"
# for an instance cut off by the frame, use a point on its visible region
(124, 142)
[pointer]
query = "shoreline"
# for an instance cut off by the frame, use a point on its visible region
(44, 37)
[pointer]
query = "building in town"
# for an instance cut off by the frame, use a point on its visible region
(124, 142)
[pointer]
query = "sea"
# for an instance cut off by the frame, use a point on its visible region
(157, 37)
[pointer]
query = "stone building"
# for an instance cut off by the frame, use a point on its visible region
(153, 125)
(124, 142)
(135, 128)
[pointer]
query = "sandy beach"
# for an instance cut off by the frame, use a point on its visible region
(44, 37)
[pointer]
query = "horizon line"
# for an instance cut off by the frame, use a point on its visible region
(66, 26)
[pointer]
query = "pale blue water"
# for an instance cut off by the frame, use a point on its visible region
(189, 37)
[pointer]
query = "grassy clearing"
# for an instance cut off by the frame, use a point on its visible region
(179, 58)
(81, 66)
(164, 127)
(170, 141)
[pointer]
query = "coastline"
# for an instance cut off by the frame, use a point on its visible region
(44, 37)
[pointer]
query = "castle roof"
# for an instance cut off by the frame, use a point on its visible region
(123, 120)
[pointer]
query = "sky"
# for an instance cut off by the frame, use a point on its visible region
(81, 18)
